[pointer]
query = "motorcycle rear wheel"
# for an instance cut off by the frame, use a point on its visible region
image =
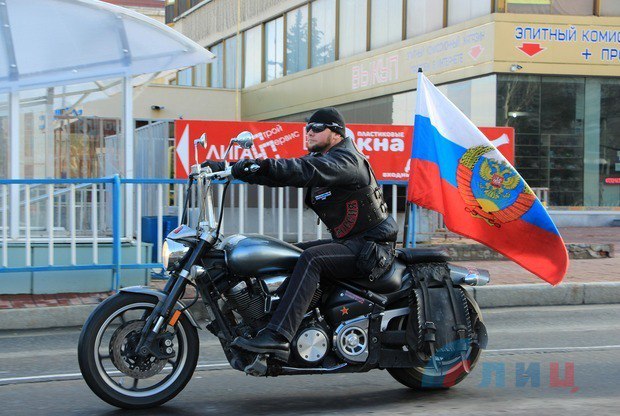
(427, 378)
(105, 362)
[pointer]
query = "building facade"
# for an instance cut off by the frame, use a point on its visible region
(151, 8)
(548, 68)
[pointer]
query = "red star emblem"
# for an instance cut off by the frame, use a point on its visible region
(344, 310)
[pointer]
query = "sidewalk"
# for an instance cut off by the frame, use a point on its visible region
(579, 271)
(587, 281)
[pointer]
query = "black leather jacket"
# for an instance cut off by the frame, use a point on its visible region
(342, 170)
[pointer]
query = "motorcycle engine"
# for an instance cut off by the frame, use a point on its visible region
(255, 299)
(248, 303)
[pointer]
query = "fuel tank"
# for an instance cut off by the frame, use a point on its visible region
(254, 255)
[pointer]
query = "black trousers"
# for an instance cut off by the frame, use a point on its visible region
(321, 258)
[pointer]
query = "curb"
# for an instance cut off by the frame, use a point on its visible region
(479, 252)
(46, 317)
(545, 295)
(487, 297)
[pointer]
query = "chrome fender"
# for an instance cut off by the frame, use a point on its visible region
(144, 290)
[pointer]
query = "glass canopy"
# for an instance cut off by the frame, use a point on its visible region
(56, 42)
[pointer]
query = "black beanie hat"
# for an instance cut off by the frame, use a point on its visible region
(329, 115)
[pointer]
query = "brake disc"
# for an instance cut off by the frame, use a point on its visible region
(124, 356)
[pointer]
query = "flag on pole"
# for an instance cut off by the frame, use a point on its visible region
(457, 171)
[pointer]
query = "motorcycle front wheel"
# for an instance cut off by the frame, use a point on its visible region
(119, 376)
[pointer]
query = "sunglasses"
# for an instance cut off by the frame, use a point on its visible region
(319, 127)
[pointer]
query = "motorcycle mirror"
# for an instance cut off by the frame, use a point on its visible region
(202, 141)
(245, 139)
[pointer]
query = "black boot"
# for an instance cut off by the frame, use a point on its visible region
(267, 341)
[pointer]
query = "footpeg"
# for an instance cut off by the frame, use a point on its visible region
(258, 367)
(236, 361)
(280, 355)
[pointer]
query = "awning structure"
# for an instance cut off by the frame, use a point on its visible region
(91, 47)
(45, 43)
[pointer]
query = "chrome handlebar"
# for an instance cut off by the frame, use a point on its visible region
(204, 176)
(205, 173)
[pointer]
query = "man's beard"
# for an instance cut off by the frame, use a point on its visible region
(317, 148)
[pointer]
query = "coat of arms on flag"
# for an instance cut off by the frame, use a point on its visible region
(457, 171)
(493, 190)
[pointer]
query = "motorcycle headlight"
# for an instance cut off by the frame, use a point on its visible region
(171, 252)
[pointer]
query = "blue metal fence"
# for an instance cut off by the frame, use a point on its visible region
(115, 182)
(61, 208)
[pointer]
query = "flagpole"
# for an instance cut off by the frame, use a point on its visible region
(406, 227)
(409, 239)
(409, 231)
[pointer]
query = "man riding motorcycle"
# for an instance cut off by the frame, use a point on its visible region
(416, 320)
(343, 192)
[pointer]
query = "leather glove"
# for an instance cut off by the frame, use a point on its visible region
(241, 169)
(214, 165)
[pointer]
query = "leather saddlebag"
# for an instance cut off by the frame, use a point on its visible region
(439, 326)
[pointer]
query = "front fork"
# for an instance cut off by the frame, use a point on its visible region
(163, 312)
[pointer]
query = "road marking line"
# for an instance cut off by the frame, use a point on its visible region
(600, 347)
(225, 365)
(73, 375)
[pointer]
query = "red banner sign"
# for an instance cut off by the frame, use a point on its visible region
(387, 147)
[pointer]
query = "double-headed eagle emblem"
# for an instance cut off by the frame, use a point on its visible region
(492, 190)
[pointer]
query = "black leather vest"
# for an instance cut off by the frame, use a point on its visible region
(348, 212)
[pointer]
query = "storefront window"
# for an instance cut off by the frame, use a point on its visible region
(602, 173)
(560, 127)
(253, 53)
(423, 16)
(353, 18)
(463, 10)
(274, 49)
(230, 62)
(569, 7)
(386, 22)
(217, 66)
(297, 40)
(518, 106)
(562, 117)
(323, 32)
(610, 8)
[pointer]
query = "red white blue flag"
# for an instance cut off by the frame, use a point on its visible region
(457, 171)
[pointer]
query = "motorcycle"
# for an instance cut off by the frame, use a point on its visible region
(416, 321)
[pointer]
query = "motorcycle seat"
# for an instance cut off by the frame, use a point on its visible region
(390, 282)
(422, 255)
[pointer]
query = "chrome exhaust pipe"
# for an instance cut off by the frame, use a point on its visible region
(469, 275)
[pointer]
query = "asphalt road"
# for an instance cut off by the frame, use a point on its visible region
(39, 375)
